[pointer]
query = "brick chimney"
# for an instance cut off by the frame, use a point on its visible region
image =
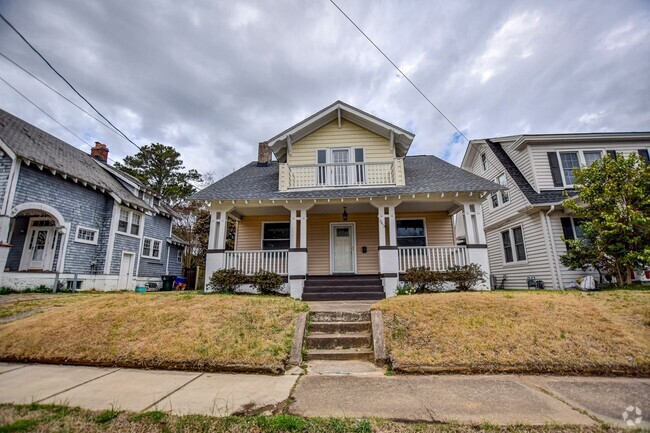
(99, 152)
(263, 154)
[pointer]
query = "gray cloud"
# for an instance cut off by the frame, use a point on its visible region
(213, 79)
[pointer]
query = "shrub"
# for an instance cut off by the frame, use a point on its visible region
(424, 280)
(226, 280)
(268, 283)
(404, 289)
(465, 277)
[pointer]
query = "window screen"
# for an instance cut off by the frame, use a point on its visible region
(276, 236)
(410, 233)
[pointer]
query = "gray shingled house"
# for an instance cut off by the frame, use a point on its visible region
(67, 212)
(342, 212)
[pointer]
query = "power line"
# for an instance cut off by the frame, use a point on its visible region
(47, 114)
(66, 81)
(400, 71)
(59, 93)
(43, 111)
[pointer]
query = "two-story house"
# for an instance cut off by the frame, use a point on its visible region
(342, 211)
(67, 214)
(525, 225)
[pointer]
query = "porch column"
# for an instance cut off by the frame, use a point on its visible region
(388, 253)
(5, 247)
(476, 241)
(297, 251)
(215, 257)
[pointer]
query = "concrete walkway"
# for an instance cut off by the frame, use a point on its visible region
(337, 389)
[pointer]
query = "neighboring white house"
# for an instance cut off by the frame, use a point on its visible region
(524, 225)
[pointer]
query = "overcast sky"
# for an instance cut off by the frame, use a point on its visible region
(214, 78)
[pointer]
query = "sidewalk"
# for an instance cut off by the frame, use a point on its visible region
(357, 390)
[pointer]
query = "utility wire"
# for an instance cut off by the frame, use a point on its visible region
(400, 71)
(47, 114)
(59, 93)
(43, 111)
(66, 81)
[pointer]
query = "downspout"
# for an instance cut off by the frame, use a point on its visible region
(549, 226)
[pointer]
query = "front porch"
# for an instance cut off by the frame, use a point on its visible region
(308, 241)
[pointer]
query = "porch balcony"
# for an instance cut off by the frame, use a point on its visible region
(437, 258)
(334, 175)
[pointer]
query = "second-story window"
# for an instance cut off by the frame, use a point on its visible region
(500, 197)
(321, 158)
(484, 161)
(129, 222)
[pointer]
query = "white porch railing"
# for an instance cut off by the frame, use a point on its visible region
(349, 174)
(250, 262)
(436, 258)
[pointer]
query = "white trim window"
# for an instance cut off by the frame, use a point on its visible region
(151, 248)
(499, 198)
(275, 235)
(86, 235)
(411, 232)
(514, 248)
(571, 160)
(179, 256)
(130, 223)
(484, 164)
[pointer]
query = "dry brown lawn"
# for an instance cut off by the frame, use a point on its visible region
(528, 332)
(159, 330)
(16, 304)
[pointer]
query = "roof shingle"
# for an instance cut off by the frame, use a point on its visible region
(424, 174)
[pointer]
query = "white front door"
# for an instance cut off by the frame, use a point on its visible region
(342, 249)
(126, 271)
(40, 243)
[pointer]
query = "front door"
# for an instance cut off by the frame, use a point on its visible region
(342, 249)
(40, 243)
(126, 271)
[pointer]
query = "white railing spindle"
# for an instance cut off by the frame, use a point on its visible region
(438, 258)
(250, 262)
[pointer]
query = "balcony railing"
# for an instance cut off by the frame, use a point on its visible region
(250, 262)
(341, 175)
(436, 258)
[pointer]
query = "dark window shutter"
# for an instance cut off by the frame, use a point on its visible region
(567, 229)
(612, 154)
(643, 153)
(555, 169)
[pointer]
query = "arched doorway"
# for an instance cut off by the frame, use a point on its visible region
(37, 235)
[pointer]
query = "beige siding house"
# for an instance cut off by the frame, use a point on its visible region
(341, 210)
(525, 225)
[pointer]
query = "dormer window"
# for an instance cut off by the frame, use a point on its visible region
(484, 161)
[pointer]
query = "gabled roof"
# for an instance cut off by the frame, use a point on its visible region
(424, 174)
(402, 138)
(552, 196)
(35, 146)
(517, 142)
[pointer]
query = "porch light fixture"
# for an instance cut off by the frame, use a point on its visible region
(345, 213)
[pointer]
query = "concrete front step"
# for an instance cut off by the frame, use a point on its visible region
(339, 327)
(333, 289)
(344, 296)
(339, 316)
(348, 340)
(365, 354)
